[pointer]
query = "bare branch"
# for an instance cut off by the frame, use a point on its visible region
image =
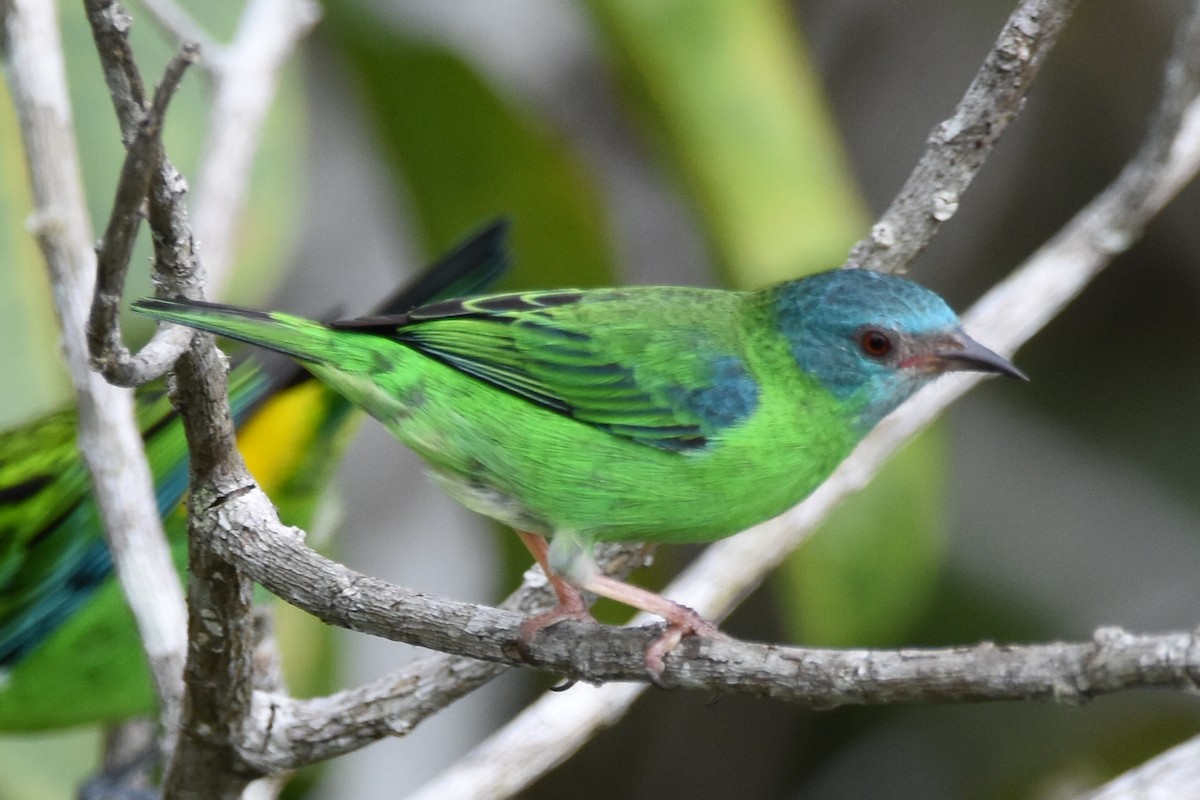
(532, 744)
(108, 434)
(220, 671)
(246, 532)
(308, 731)
(958, 147)
(818, 678)
(246, 76)
(143, 157)
(176, 269)
(110, 28)
(1165, 162)
(511, 759)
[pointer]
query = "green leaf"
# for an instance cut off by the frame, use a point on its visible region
(727, 94)
(463, 154)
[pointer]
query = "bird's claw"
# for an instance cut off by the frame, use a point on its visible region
(535, 624)
(687, 623)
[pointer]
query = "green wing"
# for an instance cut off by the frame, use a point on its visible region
(41, 481)
(38, 467)
(608, 358)
(52, 552)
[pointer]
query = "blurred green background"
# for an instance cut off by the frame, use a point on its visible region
(725, 142)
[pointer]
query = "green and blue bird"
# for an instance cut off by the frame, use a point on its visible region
(660, 414)
(69, 652)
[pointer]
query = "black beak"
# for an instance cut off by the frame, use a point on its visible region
(965, 354)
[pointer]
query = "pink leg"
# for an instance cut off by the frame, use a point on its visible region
(681, 620)
(571, 604)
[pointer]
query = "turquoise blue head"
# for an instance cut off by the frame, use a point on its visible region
(872, 339)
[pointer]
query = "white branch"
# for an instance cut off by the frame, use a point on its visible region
(246, 74)
(1172, 775)
(179, 23)
(108, 433)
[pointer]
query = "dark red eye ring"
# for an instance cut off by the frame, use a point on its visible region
(875, 343)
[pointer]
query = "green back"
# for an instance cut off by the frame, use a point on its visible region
(652, 413)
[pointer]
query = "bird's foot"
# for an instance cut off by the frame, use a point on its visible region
(683, 621)
(571, 605)
(568, 609)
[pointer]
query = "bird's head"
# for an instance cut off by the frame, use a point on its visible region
(873, 339)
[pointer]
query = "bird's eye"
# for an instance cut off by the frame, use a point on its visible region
(875, 343)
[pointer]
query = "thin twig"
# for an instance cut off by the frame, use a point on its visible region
(176, 21)
(958, 147)
(142, 158)
(110, 29)
(108, 434)
(176, 270)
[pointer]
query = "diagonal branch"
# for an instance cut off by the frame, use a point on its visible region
(1173, 774)
(958, 147)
